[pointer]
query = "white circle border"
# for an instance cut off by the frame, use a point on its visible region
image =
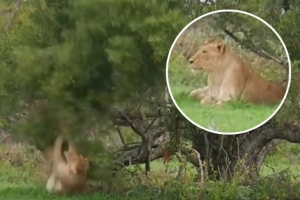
(289, 65)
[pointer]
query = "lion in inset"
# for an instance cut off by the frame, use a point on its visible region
(230, 77)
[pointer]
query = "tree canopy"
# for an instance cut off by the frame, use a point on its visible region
(78, 64)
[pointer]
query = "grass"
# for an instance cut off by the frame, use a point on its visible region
(29, 192)
(286, 157)
(21, 182)
(232, 117)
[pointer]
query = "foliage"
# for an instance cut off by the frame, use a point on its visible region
(72, 65)
(20, 183)
(288, 28)
(82, 61)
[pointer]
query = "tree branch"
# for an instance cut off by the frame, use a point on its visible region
(120, 135)
(17, 6)
(138, 130)
(256, 50)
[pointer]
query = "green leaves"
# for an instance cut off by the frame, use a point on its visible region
(85, 56)
(289, 30)
(123, 51)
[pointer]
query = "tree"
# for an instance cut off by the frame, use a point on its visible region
(227, 152)
(75, 66)
(70, 68)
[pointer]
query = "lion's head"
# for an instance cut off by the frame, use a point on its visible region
(209, 55)
(77, 163)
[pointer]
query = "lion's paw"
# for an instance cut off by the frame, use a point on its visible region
(207, 100)
(193, 93)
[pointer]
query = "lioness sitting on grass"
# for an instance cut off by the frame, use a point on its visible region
(230, 77)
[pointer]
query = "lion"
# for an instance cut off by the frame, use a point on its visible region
(230, 77)
(68, 170)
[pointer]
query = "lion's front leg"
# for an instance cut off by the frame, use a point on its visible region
(199, 93)
(224, 97)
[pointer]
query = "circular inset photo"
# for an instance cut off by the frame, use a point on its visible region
(228, 72)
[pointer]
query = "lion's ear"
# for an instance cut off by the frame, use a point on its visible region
(209, 41)
(220, 47)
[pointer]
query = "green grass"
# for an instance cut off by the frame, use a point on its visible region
(233, 117)
(29, 192)
(9, 191)
(284, 157)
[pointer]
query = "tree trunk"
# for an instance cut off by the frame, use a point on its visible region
(230, 154)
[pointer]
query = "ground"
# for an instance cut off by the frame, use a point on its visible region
(26, 180)
(26, 192)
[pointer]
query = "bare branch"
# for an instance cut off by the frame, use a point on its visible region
(129, 158)
(150, 124)
(139, 107)
(181, 168)
(120, 135)
(226, 155)
(17, 6)
(199, 163)
(255, 50)
(167, 96)
(189, 157)
(135, 127)
(119, 120)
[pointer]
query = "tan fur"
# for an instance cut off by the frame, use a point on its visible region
(68, 176)
(230, 77)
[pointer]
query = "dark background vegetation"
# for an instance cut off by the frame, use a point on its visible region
(96, 70)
